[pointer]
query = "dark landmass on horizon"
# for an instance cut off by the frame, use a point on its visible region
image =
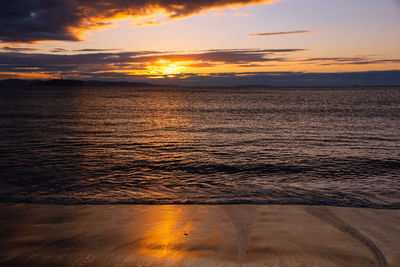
(261, 79)
(66, 83)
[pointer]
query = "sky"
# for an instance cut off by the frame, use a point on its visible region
(211, 42)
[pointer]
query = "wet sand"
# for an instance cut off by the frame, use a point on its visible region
(196, 235)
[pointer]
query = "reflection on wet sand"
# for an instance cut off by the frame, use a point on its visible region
(166, 238)
(179, 233)
(195, 235)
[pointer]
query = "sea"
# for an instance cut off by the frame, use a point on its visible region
(335, 146)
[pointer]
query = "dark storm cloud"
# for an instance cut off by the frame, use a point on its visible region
(35, 20)
(279, 33)
(27, 20)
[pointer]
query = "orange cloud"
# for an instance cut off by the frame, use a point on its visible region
(30, 21)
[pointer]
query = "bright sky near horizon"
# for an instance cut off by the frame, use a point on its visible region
(127, 40)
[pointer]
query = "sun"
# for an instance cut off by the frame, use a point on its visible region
(166, 67)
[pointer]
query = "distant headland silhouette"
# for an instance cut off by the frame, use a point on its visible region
(65, 83)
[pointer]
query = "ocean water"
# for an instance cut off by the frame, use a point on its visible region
(322, 146)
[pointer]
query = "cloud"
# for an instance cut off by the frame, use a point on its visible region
(127, 65)
(227, 56)
(279, 33)
(367, 78)
(64, 50)
(134, 66)
(117, 65)
(18, 49)
(94, 50)
(59, 50)
(29, 21)
(327, 61)
(114, 60)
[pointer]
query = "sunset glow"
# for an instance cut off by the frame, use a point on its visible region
(199, 133)
(132, 41)
(165, 67)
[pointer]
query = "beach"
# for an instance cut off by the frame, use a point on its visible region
(199, 133)
(197, 235)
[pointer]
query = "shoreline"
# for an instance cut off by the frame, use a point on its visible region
(197, 235)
